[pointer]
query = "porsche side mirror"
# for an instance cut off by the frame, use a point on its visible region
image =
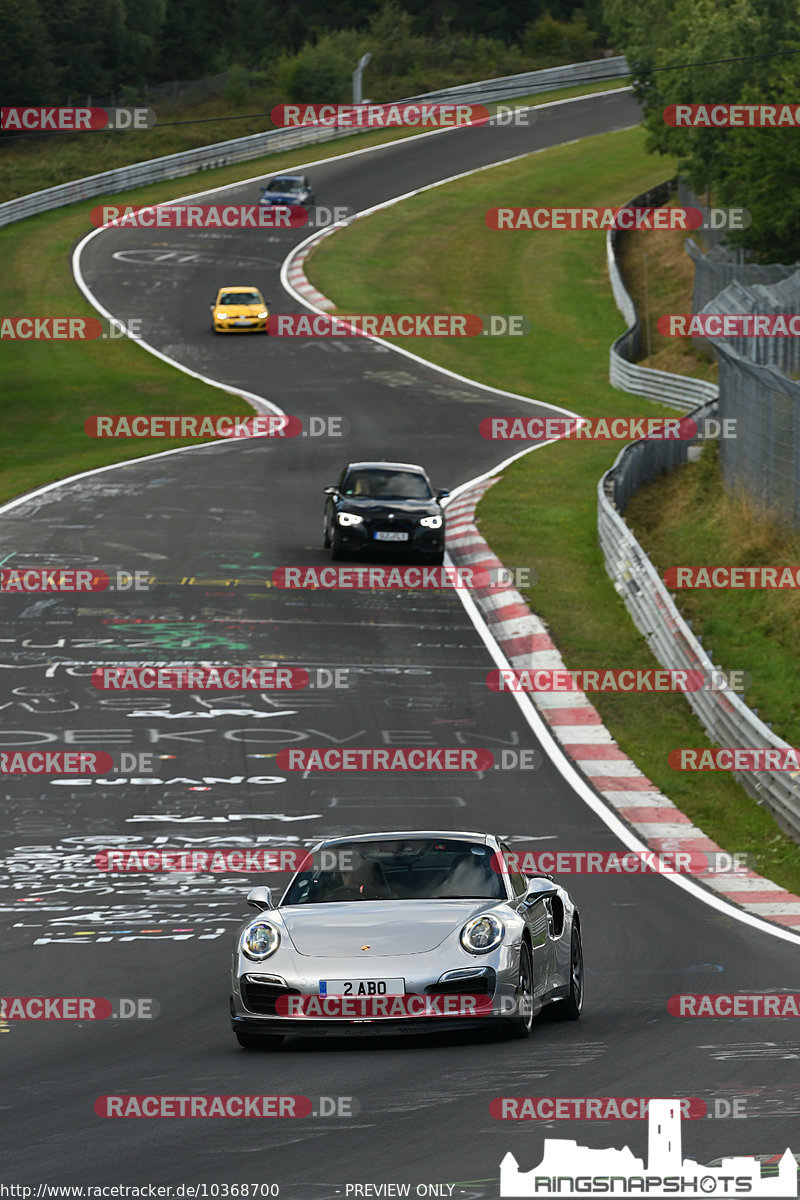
(539, 888)
(260, 897)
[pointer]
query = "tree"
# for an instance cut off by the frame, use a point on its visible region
(713, 52)
(25, 52)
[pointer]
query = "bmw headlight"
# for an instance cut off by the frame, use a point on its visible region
(346, 518)
(260, 940)
(431, 522)
(262, 316)
(482, 934)
(221, 316)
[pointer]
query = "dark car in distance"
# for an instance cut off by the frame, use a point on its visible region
(287, 190)
(379, 506)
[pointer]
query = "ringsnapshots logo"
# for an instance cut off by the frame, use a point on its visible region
(569, 1170)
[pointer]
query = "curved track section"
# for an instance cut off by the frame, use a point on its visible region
(210, 526)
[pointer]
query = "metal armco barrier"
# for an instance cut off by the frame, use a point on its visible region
(680, 391)
(725, 717)
(223, 154)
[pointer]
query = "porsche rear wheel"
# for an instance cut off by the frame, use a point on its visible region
(520, 1024)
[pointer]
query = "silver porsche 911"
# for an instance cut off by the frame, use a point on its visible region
(405, 933)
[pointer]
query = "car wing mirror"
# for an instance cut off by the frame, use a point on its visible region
(330, 491)
(540, 887)
(442, 493)
(260, 897)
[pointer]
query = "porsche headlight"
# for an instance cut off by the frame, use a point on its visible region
(260, 940)
(431, 522)
(482, 934)
(346, 518)
(222, 316)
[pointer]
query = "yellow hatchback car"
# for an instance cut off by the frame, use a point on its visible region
(239, 308)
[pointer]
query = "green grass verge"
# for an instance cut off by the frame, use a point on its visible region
(433, 253)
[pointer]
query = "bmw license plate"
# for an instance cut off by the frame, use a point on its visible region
(362, 987)
(386, 535)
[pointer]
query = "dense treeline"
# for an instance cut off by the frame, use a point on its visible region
(52, 50)
(754, 168)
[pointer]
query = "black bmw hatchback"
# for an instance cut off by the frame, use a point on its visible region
(380, 506)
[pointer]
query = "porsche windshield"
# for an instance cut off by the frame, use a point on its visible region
(438, 868)
(387, 485)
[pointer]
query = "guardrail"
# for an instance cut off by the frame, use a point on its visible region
(223, 154)
(724, 715)
(680, 391)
